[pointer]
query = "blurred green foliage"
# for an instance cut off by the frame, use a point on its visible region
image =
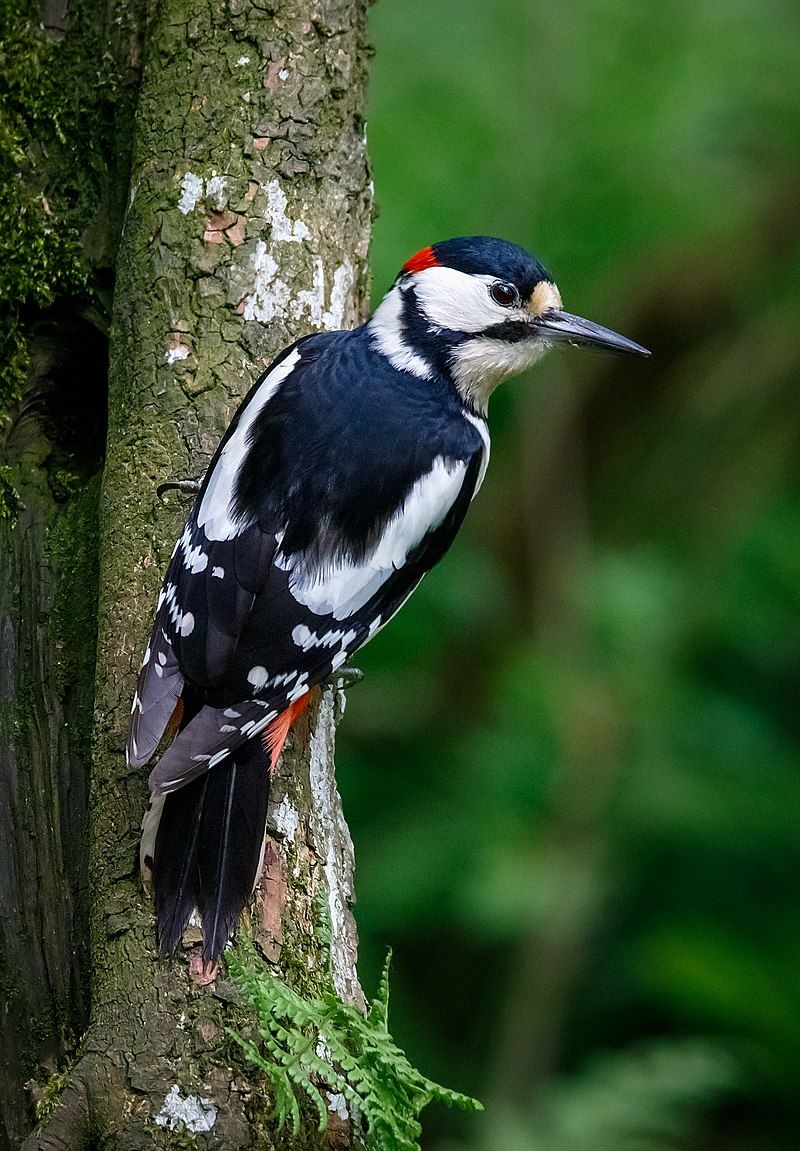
(572, 771)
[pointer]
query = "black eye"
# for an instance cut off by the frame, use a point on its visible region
(504, 294)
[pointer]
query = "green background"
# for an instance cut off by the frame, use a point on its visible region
(572, 770)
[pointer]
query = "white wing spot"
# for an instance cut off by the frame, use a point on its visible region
(231, 713)
(300, 689)
(218, 572)
(257, 676)
(302, 636)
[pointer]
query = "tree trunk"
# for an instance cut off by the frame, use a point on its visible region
(247, 226)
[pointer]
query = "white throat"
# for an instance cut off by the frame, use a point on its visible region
(479, 365)
(455, 302)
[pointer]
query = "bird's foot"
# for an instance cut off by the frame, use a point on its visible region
(185, 487)
(347, 677)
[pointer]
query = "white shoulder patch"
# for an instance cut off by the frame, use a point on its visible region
(343, 588)
(216, 516)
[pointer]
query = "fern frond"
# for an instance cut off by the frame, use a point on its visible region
(308, 1046)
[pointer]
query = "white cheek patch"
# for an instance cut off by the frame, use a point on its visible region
(461, 302)
(345, 587)
(215, 515)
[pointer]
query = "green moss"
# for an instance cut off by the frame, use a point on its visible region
(10, 501)
(57, 100)
(72, 555)
(46, 1103)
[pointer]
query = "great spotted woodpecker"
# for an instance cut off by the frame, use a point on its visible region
(342, 480)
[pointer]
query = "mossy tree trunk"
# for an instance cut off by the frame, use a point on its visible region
(69, 78)
(247, 225)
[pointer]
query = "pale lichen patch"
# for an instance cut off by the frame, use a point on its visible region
(178, 352)
(269, 295)
(341, 297)
(189, 1113)
(335, 848)
(287, 819)
(292, 231)
(191, 193)
(311, 301)
(337, 1104)
(217, 191)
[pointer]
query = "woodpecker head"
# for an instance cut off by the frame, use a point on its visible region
(479, 310)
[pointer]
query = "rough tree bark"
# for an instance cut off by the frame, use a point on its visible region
(247, 225)
(65, 183)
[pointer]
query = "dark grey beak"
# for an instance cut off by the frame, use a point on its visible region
(561, 326)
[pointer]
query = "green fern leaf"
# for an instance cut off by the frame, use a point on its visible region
(307, 1046)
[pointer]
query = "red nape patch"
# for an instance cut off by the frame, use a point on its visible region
(425, 258)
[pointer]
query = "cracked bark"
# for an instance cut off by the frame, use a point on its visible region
(247, 225)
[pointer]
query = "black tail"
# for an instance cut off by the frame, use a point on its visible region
(208, 849)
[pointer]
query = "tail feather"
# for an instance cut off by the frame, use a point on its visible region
(176, 873)
(232, 836)
(209, 841)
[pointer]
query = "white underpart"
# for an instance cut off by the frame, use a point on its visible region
(386, 329)
(216, 516)
(481, 364)
(190, 1113)
(147, 844)
(344, 587)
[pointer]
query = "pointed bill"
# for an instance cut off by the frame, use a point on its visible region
(564, 327)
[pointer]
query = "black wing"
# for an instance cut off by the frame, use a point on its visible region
(266, 596)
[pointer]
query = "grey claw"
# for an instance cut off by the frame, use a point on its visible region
(348, 677)
(186, 487)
